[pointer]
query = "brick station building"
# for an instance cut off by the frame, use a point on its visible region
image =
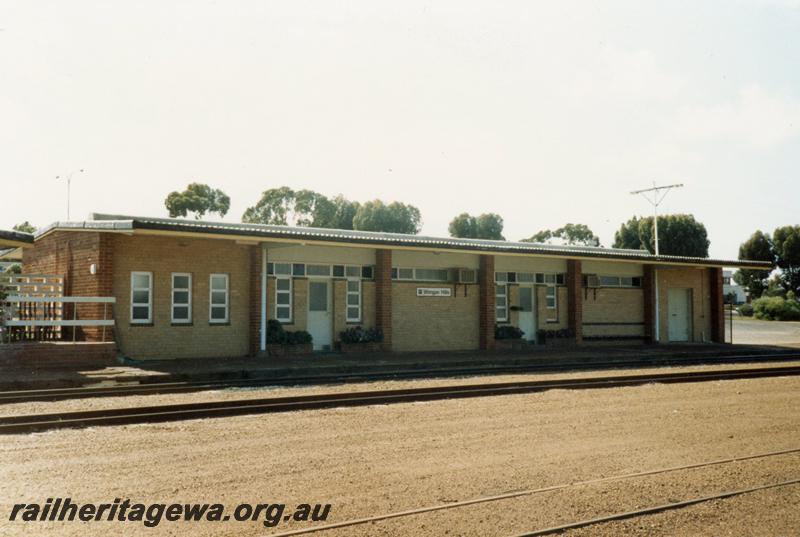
(187, 288)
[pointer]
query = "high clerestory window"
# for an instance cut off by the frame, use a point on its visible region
(420, 274)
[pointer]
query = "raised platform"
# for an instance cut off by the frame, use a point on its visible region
(47, 375)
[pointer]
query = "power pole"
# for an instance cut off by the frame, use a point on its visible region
(68, 177)
(655, 196)
(655, 199)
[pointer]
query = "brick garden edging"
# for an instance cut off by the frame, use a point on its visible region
(371, 346)
(56, 355)
(510, 344)
(300, 349)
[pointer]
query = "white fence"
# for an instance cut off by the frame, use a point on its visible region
(35, 310)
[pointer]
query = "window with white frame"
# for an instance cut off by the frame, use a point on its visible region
(219, 299)
(318, 270)
(282, 269)
(283, 299)
(432, 275)
(551, 297)
(404, 273)
(525, 277)
(501, 302)
(353, 300)
(530, 277)
(620, 281)
(141, 297)
(181, 297)
(609, 281)
(420, 274)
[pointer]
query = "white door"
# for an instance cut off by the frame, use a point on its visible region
(320, 318)
(679, 304)
(527, 312)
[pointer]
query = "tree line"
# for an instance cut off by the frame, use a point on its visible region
(679, 234)
(782, 249)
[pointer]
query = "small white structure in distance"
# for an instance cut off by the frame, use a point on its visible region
(729, 286)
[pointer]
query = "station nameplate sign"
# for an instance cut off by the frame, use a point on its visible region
(434, 291)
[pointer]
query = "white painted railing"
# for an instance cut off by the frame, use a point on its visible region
(36, 318)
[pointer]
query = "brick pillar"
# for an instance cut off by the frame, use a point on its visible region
(383, 296)
(487, 297)
(255, 300)
(649, 289)
(717, 305)
(575, 299)
(83, 252)
(105, 284)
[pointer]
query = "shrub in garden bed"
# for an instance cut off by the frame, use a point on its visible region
(507, 332)
(507, 337)
(282, 342)
(357, 339)
(564, 336)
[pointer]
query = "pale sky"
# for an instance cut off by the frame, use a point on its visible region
(544, 112)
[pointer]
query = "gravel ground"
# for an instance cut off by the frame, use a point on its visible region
(373, 460)
(771, 512)
(131, 401)
(509, 517)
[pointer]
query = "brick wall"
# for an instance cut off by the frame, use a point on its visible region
(201, 257)
(575, 299)
(613, 312)
(435, 323)
(486, 303)
(255, 299)
(71, 255)
(57, 355)
(299, 303)
(648, 303)
(340, 307)
(717, 309)
(384, 296)
(552, 319)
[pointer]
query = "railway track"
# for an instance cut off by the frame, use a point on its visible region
(60, 394)
(572, 485)
(216, 409)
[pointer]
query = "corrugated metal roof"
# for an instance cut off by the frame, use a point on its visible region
(342, 236)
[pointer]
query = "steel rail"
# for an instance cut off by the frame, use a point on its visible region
(59, 394)
(530, 492)
(174, 412)
(657, 508)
